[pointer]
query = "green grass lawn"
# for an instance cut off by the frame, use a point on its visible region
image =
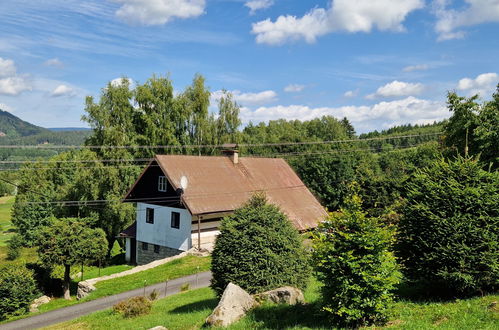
(174, 269)
(189, 310)
(6, 228)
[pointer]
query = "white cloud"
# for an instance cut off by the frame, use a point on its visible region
(397, 88)
(483, 84)
(343, 15)
(294, 88)
(255, 5)
(5, 107)
(248, 98)
(365, 118)
(158, 12)
(449, 21)
(417, 67)
(54, 62)
(350, 94)
(62, 90)
(12, 83)
(7, 68)
(119, 81)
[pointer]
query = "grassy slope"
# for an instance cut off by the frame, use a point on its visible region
(189, 310)
(5, 224)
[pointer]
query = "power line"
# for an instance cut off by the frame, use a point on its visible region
(147, 160)
(212, 145)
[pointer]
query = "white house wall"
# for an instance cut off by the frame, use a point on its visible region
(160, 232)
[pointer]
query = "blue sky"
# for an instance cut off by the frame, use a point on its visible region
(378, 62)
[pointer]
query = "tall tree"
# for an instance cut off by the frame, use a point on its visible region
(228, 120)
(68, 242)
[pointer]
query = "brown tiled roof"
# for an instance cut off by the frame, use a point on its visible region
(131, 231)
(216, 184)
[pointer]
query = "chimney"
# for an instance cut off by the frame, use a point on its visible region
(231, 151)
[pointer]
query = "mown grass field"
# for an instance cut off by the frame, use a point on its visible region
(6, 228)
(189, 310)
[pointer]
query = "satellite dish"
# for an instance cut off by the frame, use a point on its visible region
(184, 182)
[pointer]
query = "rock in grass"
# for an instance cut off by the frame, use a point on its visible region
(233, 305)
(285, 295)
(159, 327)
(84, 289)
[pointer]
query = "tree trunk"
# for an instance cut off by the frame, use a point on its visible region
(67, 281)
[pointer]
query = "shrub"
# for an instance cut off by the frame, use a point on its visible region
(153, 295)
(17, 290)
(353, 261)
(448, 234)
(14, 247)
(133, 307)
(258, 249)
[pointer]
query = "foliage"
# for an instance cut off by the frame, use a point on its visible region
(133, 307)
(68, 242)
(258, 249)
(353, 260)
(17, 289)
(185, 287)
(449, 232)
(14, 247)
(474, 127)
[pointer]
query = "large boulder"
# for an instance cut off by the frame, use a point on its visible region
(33, 308)
(285, 295)
(84, 289)
(233, 305)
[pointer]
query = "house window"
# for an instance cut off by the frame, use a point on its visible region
(149, 215)
(162, 184)
(145, 246)
(156, 248)
(175, 220)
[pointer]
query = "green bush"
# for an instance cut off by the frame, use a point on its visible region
(353, 261)
(258, 249)
(449, 231)
(14, 247)
(17, 290)
(133, 307)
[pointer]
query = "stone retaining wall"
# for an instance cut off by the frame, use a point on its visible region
(147, 256)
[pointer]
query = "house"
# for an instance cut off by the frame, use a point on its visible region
(182, 199)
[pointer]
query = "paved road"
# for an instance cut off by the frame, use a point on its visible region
(200, 280)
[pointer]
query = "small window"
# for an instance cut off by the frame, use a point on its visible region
(162, 184)
(175, 220)
(149, 215)
(156, 248)
(145, 246)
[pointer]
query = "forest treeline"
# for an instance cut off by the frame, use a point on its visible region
(325, 152)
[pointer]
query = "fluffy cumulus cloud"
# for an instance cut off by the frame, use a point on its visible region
(12, 83)
(7, 68)
(157, 12)
(397, 88)
(62, 90)
(483, 84)
(350, 94)
(255, 5)
(342, 15)
(54, 62)
(365, 118)
(451, 21)
(417, 67)
(294, 88)
(263, 97)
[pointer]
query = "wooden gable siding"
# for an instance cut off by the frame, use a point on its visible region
(146, 189)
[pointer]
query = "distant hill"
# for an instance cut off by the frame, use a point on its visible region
(15, 131)
(12, 126)
(65, 129)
